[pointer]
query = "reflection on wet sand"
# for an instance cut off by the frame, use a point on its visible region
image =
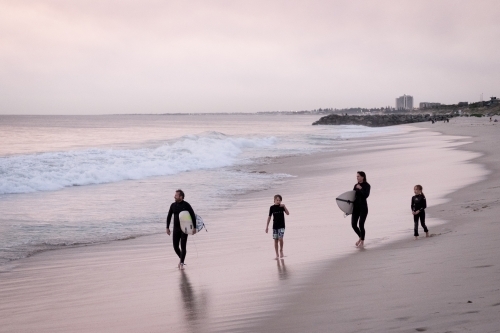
(194, 304)
(282, 272)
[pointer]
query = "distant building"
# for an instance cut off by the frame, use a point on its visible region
(428, 105)
(463, 104)
(404, 102)
(493, 101)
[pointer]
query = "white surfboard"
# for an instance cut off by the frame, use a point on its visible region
(345, 201)
(200, 224)
(186, 222)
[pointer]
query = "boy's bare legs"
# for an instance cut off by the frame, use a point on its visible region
(276, 248)
(281, 246)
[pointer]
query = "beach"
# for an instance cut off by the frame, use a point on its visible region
(446, 283)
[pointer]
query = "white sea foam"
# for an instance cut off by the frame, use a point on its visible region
(54, 171)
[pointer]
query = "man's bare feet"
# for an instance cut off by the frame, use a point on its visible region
(181, 265)
(357, 243)
(281, 254)
(361, 243)
(427, 234)
(416, 237)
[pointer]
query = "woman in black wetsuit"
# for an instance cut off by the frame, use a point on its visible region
(418, 206)
(360, 210)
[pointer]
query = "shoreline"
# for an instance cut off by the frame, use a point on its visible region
(255, 168)
(117, 263)
(445, 283)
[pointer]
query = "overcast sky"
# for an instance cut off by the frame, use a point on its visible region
(101, 56)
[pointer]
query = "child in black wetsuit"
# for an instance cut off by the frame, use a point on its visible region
(418, 206)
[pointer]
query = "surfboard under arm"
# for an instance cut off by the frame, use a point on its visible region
(345, 201)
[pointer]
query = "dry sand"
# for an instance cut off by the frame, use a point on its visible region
(324, 284)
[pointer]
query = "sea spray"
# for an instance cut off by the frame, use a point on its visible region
(56, 170)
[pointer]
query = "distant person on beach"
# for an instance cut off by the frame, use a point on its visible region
(277, 211)
(418, 206)
(360, 207)
(178, 236)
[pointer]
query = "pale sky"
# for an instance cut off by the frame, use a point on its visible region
(102, 57)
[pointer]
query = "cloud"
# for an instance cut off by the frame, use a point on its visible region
(228, 56)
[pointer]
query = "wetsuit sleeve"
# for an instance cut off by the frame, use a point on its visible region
(424, 203)
(365, 190)
(412, 205)
(191, 212)
(169, 216)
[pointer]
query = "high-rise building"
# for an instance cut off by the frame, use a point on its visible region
(404, 102)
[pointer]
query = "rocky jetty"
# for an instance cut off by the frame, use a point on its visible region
(378, 120)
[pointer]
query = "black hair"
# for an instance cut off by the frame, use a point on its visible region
(278, 196)
(362, 174)
(181, 192)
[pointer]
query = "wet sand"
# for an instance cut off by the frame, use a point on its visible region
(324, 283)
(449, 282)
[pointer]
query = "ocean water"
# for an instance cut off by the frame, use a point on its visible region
(81, 180)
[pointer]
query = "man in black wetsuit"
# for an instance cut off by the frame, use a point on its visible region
(178, 236)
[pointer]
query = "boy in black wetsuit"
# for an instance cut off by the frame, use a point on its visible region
(178, 236)
(276, 211)
(418, 206)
